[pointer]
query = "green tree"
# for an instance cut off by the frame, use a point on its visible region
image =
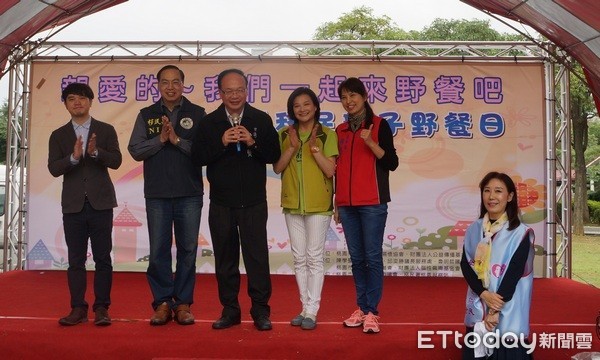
(360, 24)
(465, 30)
(582, 109)
(592, 153)
(460, 30)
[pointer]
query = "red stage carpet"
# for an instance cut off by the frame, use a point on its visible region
(32, 301)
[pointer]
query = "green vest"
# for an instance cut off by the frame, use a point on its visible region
(318, 189)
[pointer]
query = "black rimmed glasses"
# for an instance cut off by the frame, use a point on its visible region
(231, 92)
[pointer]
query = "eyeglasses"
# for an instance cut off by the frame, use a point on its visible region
(174, 83)
(230, 92)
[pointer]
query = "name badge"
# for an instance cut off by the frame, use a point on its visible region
(186, 123)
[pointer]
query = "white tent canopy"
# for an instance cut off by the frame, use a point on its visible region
(22, 19)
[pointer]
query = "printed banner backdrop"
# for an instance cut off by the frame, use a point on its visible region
(452, 121)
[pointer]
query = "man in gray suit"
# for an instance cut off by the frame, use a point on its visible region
(81, 151)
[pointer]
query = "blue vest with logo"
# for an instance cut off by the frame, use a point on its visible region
(170, 173)
(514, 317)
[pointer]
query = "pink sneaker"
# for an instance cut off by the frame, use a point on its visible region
(356, 319)
(371, 323)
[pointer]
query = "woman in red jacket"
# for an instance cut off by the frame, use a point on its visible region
(366, 156)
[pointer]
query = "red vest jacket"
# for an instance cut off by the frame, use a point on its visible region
(361, 178)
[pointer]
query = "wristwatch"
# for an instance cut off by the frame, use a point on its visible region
(315, 149)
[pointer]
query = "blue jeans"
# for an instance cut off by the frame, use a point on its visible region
(180, 216)
(363, 228)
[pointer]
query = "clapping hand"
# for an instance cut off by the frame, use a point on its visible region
(312, 141)
(294, 139)
(165, 132)
(78, 148)
(91, 148)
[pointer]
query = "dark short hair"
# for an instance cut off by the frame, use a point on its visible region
(170, 67)
(303, 91)
(229, 71)
(512, 207)
(80, 89)
(354, 85)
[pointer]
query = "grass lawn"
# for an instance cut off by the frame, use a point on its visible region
(585, 258)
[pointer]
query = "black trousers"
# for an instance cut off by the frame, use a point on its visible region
(95, 225)
(230, 228)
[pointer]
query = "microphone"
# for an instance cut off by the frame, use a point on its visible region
(235, 119)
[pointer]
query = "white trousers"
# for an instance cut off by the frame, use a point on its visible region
(307, 237)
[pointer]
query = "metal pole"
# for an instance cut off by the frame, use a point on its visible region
(22, 165)
(551, 215)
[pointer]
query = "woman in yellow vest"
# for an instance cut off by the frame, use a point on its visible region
(307, 165)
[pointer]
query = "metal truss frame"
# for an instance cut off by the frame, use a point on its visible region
(558, 157)
(557, 120)
(17, 140)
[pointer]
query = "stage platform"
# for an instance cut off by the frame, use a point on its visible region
(563, 313)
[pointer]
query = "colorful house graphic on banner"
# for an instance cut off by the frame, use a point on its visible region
(39, 258)
(125, 241)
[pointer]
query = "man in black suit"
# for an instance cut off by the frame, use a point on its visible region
(82, 151)
(235, 142)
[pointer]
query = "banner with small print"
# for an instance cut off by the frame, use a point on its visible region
(452, 123)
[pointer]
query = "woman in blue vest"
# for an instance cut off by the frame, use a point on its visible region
(497, 263)
(307, 165)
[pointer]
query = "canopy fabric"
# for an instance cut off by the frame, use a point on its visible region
(573, 25)
(21, 19)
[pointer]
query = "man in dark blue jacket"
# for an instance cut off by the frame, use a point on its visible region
(162, 138)
(235, 142)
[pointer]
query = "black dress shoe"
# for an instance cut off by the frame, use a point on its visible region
(226, 322)
(77, 315)
(263, 323)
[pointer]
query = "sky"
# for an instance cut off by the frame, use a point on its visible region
(244, 20)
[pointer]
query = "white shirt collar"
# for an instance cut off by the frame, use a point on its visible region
(85, 125)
